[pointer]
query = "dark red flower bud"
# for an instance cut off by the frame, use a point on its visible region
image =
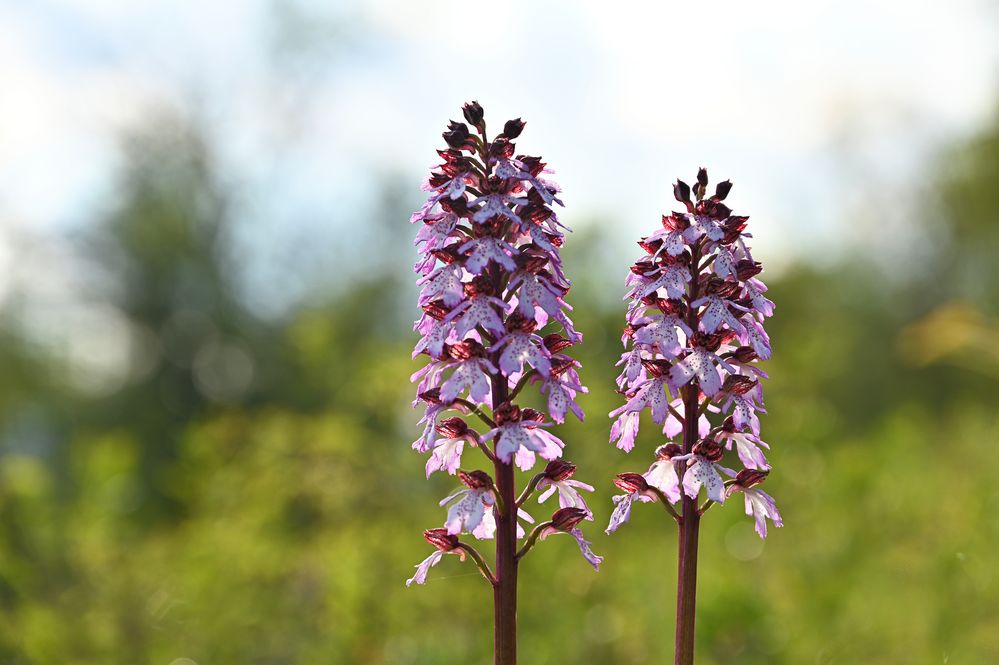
(536, 214)
(452, 428)
(457, 206)
(705, 341)
(479, 286)
(513, 128)
(517, 322)
(722, 288)
(749, 477)
(675, 222)
(738, 384)
(746, 269)
(436, 309)
(441, 539)
(702, 183)
(566, 519)
(631, 482)
(447, 255)
(473, 113)
(532, 415)
(722, 189)
(681, 191)
(458, 137)
(651, 246)
(532, 165)
(709, 450)
(475, 480)
(744, 354)
(532, 259)
(559, 469)
(465, 349)
(555, 343)
(432, 396)
(713, 209)
(501, 148)
(658, 368)
(642, 267)
(506, 412)
(560, 364)
(667, 452)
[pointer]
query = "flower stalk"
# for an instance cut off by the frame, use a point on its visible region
(693, 340)
(492, 286)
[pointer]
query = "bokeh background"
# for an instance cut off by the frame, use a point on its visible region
(205, 311)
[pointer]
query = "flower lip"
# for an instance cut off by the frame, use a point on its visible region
(476, 480)
(440, 539)
(559, 469)
(631, 482)
(566, 519)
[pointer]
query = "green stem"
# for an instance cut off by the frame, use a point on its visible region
(479, 561)
(532, 539)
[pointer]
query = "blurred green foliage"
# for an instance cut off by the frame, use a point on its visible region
(248, 495)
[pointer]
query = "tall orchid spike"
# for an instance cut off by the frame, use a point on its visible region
(492, 286)
(693, 339)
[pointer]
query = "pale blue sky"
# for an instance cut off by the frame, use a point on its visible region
(802, 104)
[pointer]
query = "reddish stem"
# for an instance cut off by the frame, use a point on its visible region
(686, 587)
(505, 589)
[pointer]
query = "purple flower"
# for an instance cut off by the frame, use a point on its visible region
(758, 503)
(702, 365)
(693, 340)
(564, 521)
(625, 430)
(471, 374)
(467, 506)
(636, 488)
(521, 347)
(662, 473)
(661, 335)
(748, 448)
(444, 543)
(521, 439)
(562, 386)
(446, 453)
(494, 324)
(558, 478)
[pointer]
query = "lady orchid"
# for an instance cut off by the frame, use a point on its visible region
(693, 339)
(495, 321)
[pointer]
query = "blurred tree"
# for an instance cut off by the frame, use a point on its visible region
(248, 495)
